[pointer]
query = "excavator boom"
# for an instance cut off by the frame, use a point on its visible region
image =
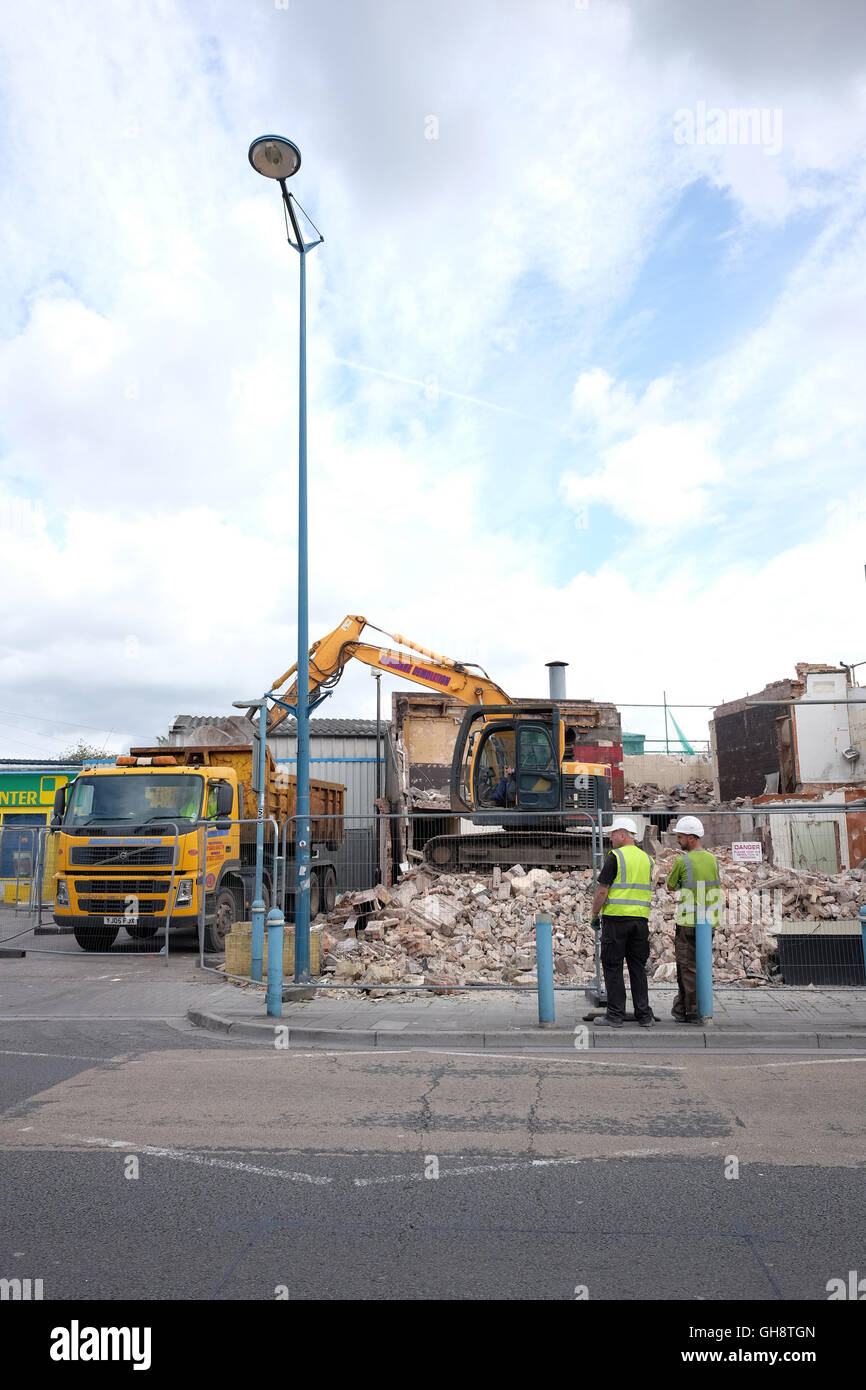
(328, 658)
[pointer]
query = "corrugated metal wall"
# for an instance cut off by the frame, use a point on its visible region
(352, 762)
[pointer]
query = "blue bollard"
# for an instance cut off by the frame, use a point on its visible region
(544, 969)
(704, 958)
(276, 923)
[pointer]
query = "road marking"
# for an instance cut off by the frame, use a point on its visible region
(509, 1167)
(66, 1056)
(202, 1160)
(818, 1062)
(562, 1053)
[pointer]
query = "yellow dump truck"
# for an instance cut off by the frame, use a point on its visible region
(119, 865)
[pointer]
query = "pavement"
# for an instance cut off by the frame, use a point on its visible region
(745, 1019)
(62, 983)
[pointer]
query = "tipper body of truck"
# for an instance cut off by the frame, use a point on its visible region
(119, 864)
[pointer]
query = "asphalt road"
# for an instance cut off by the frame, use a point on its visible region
(315, 1174)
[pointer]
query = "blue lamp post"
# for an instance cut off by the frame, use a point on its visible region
(279, 159)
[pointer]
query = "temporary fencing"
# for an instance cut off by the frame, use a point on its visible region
(430, 900)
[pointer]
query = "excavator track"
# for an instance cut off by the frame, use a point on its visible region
(547, 849)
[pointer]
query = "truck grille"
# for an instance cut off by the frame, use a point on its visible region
(116, 907)
(120, 885)
(108, 855)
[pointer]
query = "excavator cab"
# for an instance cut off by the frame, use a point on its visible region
(508, 761)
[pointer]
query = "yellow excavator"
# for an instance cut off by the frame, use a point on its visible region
(513, 773)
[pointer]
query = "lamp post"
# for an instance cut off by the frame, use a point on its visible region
(278, 158)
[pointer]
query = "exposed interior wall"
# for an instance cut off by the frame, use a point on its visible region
(747, 747)
(822, 731)
(667, 770)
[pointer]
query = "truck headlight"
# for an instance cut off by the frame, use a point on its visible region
(62, 894)
(184, 893)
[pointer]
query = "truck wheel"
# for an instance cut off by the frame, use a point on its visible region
(315, 895)
(225, 912)
(142, 933)
(94, 938)
(329, 890)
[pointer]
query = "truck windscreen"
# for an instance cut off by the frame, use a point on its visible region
(134, 800)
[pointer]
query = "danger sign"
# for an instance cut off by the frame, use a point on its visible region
(747, 852)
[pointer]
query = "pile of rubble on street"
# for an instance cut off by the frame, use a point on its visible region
(450, 928)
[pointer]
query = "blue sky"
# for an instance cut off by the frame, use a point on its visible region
(596, 376)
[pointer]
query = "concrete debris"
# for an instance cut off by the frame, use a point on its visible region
(648, 796)
(444, 929)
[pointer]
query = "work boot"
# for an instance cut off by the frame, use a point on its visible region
(686, 1018)
(646, 1022)
(608, 1022)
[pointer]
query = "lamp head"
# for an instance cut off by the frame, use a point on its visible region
(274, 157)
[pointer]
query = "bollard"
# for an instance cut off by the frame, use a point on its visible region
(257, 940)
(276, 922)
(544, 969)
(704, 954)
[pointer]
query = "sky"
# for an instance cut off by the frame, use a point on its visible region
(586, 351)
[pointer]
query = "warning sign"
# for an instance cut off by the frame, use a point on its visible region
(747, 852)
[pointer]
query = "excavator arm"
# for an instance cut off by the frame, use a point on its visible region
(328, 658)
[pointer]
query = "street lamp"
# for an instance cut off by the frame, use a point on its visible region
(278, 158)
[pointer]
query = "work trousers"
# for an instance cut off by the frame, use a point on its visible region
(685, 955)
(625, 939)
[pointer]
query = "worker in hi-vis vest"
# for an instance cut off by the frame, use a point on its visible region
(701, 898)
(620, 910)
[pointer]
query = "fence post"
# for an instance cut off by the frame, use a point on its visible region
(704, 962)
(544, 969)
(275, 924)
(862, 915)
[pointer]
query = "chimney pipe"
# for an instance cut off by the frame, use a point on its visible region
(557, 679)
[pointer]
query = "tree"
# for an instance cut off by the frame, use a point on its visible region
(81, 752)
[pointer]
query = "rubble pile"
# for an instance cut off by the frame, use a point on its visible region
(452, 928)
(648, 796)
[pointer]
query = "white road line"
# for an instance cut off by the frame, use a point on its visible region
(202, 1160)
(509, 1167)
(66, 1056)
(577, 1055)
(818, 1062)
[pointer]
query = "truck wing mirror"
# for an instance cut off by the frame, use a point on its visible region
(225, 800)
(59, 807)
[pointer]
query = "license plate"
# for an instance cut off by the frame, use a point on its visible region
(118, 921)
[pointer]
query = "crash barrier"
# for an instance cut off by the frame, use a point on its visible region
(112, 892)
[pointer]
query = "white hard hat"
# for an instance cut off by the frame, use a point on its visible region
(689, 825)
(624, 823)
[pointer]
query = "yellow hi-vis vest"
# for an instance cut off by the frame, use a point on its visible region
(701, 895)
(631, 892)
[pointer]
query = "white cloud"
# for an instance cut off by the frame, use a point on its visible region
(148, 368)
(659, 479)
